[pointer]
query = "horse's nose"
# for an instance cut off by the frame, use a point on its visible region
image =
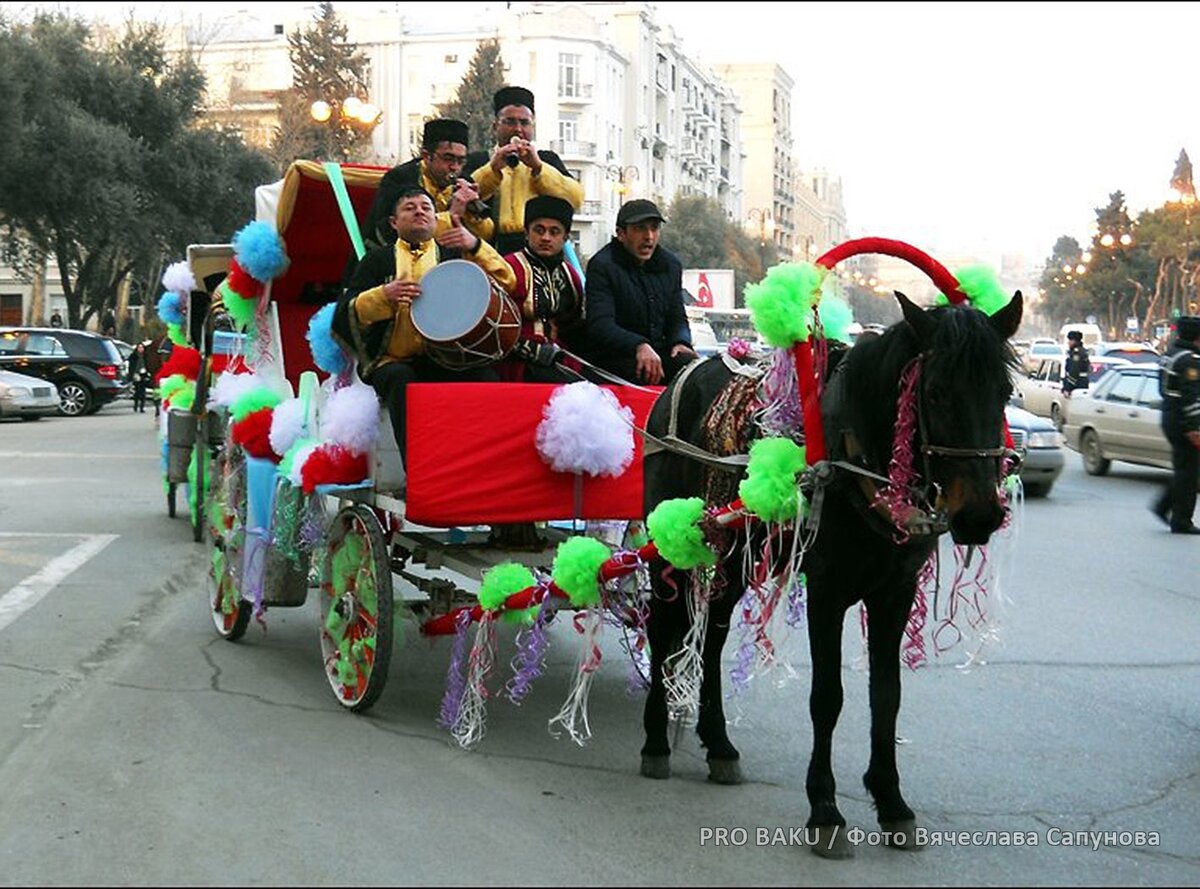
(973, 527)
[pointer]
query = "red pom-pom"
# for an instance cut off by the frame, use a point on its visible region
(182, 360)
(241, 283)
(332, 464)
(253, 433)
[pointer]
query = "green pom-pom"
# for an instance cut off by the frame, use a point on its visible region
(175, 334)
(769, 489)
(254, 400)
(982, 287)
(836, 318)
(285, 465)
(525, 617)
(674, 526)
(168, 386)
(185, 397)
(576, 569)
(781, 303)
(501, 582)
(240, 309)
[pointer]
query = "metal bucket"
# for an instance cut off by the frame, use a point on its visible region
(181, 438)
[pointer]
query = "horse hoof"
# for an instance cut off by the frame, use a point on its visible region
(902, 835)
(656, 767)
(829, 841)
(725, 771)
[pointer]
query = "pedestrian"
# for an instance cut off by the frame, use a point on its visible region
(139, 376)
(1077, 366)
(636, 324)
(1179, 383)
(517, 170)
(109, 326)
(56, 319)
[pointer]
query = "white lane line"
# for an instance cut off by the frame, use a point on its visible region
(36, 586)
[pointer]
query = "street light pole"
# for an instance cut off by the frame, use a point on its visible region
(622, 175)
(344, 116)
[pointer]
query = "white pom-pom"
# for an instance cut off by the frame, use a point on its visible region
(287, 422)
(178, 278)
(351, 417)
(586, 429)
(230, 385)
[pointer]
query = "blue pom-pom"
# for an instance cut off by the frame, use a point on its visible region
(259, 250)
(326, 353)
(170, 308)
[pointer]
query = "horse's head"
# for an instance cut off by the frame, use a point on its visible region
(965, 364)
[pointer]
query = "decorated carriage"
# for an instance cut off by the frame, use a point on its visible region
(303, 487)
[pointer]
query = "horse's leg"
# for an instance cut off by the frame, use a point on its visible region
(723, 766)
(825, 823)
(886, 619)
(664, 628)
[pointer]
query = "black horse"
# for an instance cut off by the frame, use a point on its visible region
(957, 361)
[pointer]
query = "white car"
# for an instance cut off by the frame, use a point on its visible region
(1041, 392)
(29, 398)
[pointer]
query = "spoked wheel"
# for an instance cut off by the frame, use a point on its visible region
(171, 499)
(356, 608)
(226, 513)
(203, 468)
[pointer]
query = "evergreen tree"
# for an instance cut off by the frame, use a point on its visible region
(472, 103)
(325, 68)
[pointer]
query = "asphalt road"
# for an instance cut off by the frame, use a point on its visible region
(137, 748)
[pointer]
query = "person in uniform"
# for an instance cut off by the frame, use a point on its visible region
(1077, 365)
(516, 170)
(549, 292)
(1179, 383)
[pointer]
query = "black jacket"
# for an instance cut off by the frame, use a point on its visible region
(1076, 369)
(1179, 383)
(630, 304)
(377, 232)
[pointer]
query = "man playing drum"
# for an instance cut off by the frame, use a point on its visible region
(373, 319)
(549, 293)
(437, 171)
(517, 170)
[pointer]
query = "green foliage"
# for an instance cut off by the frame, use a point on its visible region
(107, 169)
(700, 235)
(327, 68)
(472, 104)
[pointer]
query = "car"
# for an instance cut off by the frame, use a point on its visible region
(84, 366)
(1120, 420)
(29, 398)
(1039, 349)
(126, 350)
(1137, 353)
(1040, 447)
(1041, 392)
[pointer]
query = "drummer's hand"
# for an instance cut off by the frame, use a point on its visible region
(401, 293)
(649, 365)
(458, 236)
(685, 350)
(527, 152)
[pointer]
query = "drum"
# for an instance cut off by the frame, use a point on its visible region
(466, 318)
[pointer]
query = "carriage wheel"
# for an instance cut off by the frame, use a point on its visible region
(202, 459)
(226, 513)
(356, 608)
(171, 499)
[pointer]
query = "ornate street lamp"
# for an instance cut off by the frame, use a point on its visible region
(766, 225)
(344, 117)
(622, 176)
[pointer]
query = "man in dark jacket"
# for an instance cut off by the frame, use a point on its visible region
(1179, 383)
(636, 325)
(517, 170)
(1077, 366)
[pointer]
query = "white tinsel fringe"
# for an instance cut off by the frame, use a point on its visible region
(178, 278)
(586, 429)
(287, 424)
(350, 417)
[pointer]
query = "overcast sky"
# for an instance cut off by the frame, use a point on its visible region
(960, 127)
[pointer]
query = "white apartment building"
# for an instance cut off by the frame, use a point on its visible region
(618, 98)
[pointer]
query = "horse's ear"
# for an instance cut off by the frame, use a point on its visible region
(1008, 319)
(920, 322)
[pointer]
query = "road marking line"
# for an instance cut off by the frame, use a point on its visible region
(37, 586)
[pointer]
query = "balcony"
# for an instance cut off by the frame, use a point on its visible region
(574, 93)
(570, 148)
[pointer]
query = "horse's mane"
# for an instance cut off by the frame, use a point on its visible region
(965, 352)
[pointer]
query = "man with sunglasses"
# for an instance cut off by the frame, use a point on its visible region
(437, 172)
(516, 170)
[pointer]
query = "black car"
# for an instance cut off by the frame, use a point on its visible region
(85, 367)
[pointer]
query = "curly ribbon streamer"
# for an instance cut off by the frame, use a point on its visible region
(573, 717)
(469, 726)
(456, 679)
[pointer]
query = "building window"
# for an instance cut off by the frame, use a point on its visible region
(279, 30)
(451, 59)
(568, 126)
(568, 74)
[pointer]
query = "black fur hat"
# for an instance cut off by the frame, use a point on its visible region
(1188, 327)
(546, 206)
(443, 130)
(512, 95)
